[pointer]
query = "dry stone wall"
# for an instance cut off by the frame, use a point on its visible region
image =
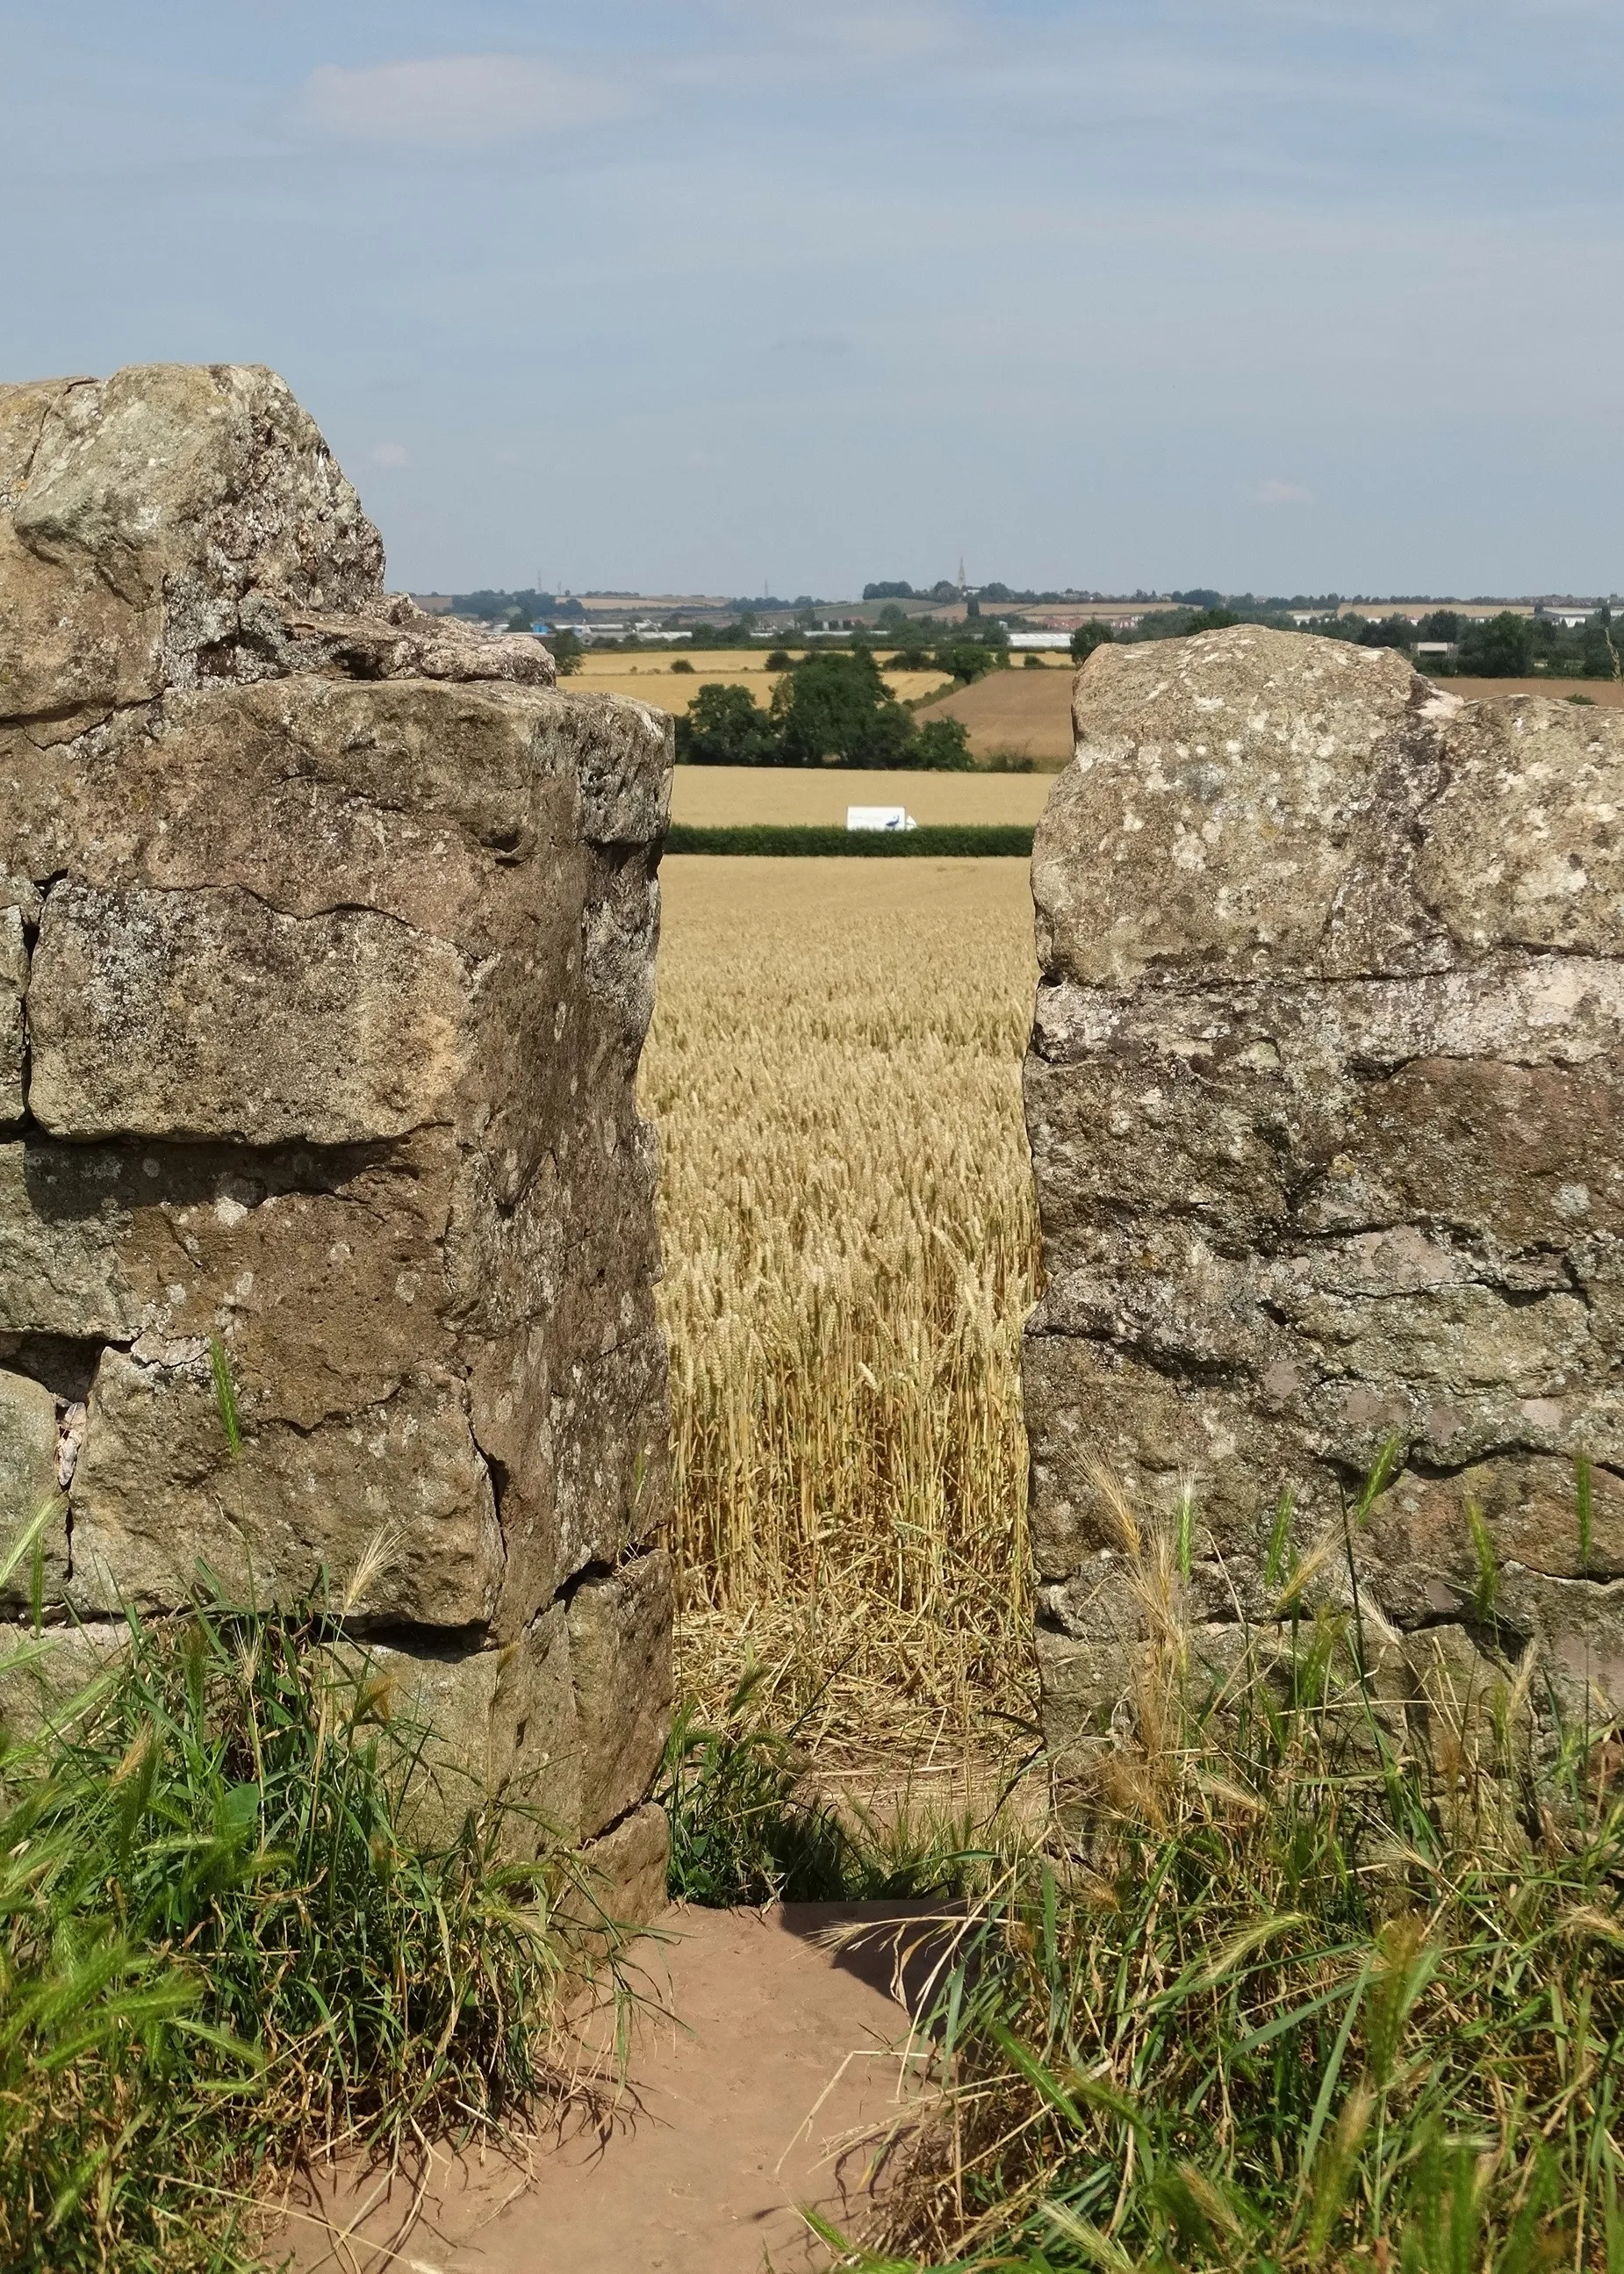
(326, 953)
(1324, 1100)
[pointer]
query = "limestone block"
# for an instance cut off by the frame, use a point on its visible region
(401, 1490)
(30, 1441)
(1323, 1099)
(206, 1014)
(625, 1873)
(484, 1726)
(155, 527)
(327, 946)
(45, 1674)
(14, 1033)
(620, 1659)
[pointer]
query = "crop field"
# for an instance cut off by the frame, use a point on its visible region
(1024, 713)
(723, 797)
(650, 679)
(850, 1250)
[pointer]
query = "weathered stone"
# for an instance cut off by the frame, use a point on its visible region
(156, 529)
(45, 1672)
(483, 1726)
(625, 1875)
(327, 946)
(30, 1488)
(620, 1660)
(13, 1033)
(401, 1487)
(140, 1006)
(1323, 1098)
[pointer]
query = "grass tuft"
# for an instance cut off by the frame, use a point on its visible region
(1291, 1992)
(220, 1957)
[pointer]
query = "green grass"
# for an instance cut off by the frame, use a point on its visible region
(747, 1825)
(219, 1957)
(1291, 1992)
(930, 840)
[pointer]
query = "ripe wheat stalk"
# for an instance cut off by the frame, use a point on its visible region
(850, 1249)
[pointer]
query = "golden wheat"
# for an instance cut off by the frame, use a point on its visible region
(850, 1249)
(722, 797)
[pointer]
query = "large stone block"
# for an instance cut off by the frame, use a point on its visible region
(326, 951)
(1323, 1101)
(620, 1660)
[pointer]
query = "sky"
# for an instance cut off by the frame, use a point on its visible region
(1270, 295)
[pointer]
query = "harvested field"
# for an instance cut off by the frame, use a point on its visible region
(650, 679)
(1598, 690)
(850, 1250)
(732, 797)
(1026, 713)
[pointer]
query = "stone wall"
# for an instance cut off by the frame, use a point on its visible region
(1323, 1099)
(326, 952)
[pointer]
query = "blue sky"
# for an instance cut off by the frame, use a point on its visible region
(1285, 294)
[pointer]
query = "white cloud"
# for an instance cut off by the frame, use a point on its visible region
(391, 454)
(452, 101)
(1274, 492)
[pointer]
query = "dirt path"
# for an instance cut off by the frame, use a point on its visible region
(775, 2050)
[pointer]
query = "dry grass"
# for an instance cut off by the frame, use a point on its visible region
(850, 1250)
(729, 796)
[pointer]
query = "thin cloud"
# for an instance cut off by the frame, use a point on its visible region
(390, 454)
(452, 101)
(879, 30)
(1274, 492)
(812, 343)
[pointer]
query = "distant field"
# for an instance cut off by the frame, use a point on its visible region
(1025, 712)
(1029, 713)
(650, 679)
(718, 797)
(1607, 691)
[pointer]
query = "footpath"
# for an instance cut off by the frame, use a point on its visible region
(768, 2056)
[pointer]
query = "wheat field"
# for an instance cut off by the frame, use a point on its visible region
(649, 677)
(724, 797)
(850, 1248)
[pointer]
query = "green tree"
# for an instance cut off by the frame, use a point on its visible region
(1088, 636)
(1442, 624)
(941, 746)
(967, 660)
(1392, 631)
(1599, 656)
(1502, 647)
(838, 706)
(568, 650)
(724, 726)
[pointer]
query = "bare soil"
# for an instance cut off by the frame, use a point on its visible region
(760, 2072)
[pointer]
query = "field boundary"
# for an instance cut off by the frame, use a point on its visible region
(964, 839)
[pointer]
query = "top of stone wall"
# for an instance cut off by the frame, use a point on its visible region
(1249, 803)
(181, 524)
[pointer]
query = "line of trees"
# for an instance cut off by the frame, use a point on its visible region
(1503, 646)
(834, 708)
